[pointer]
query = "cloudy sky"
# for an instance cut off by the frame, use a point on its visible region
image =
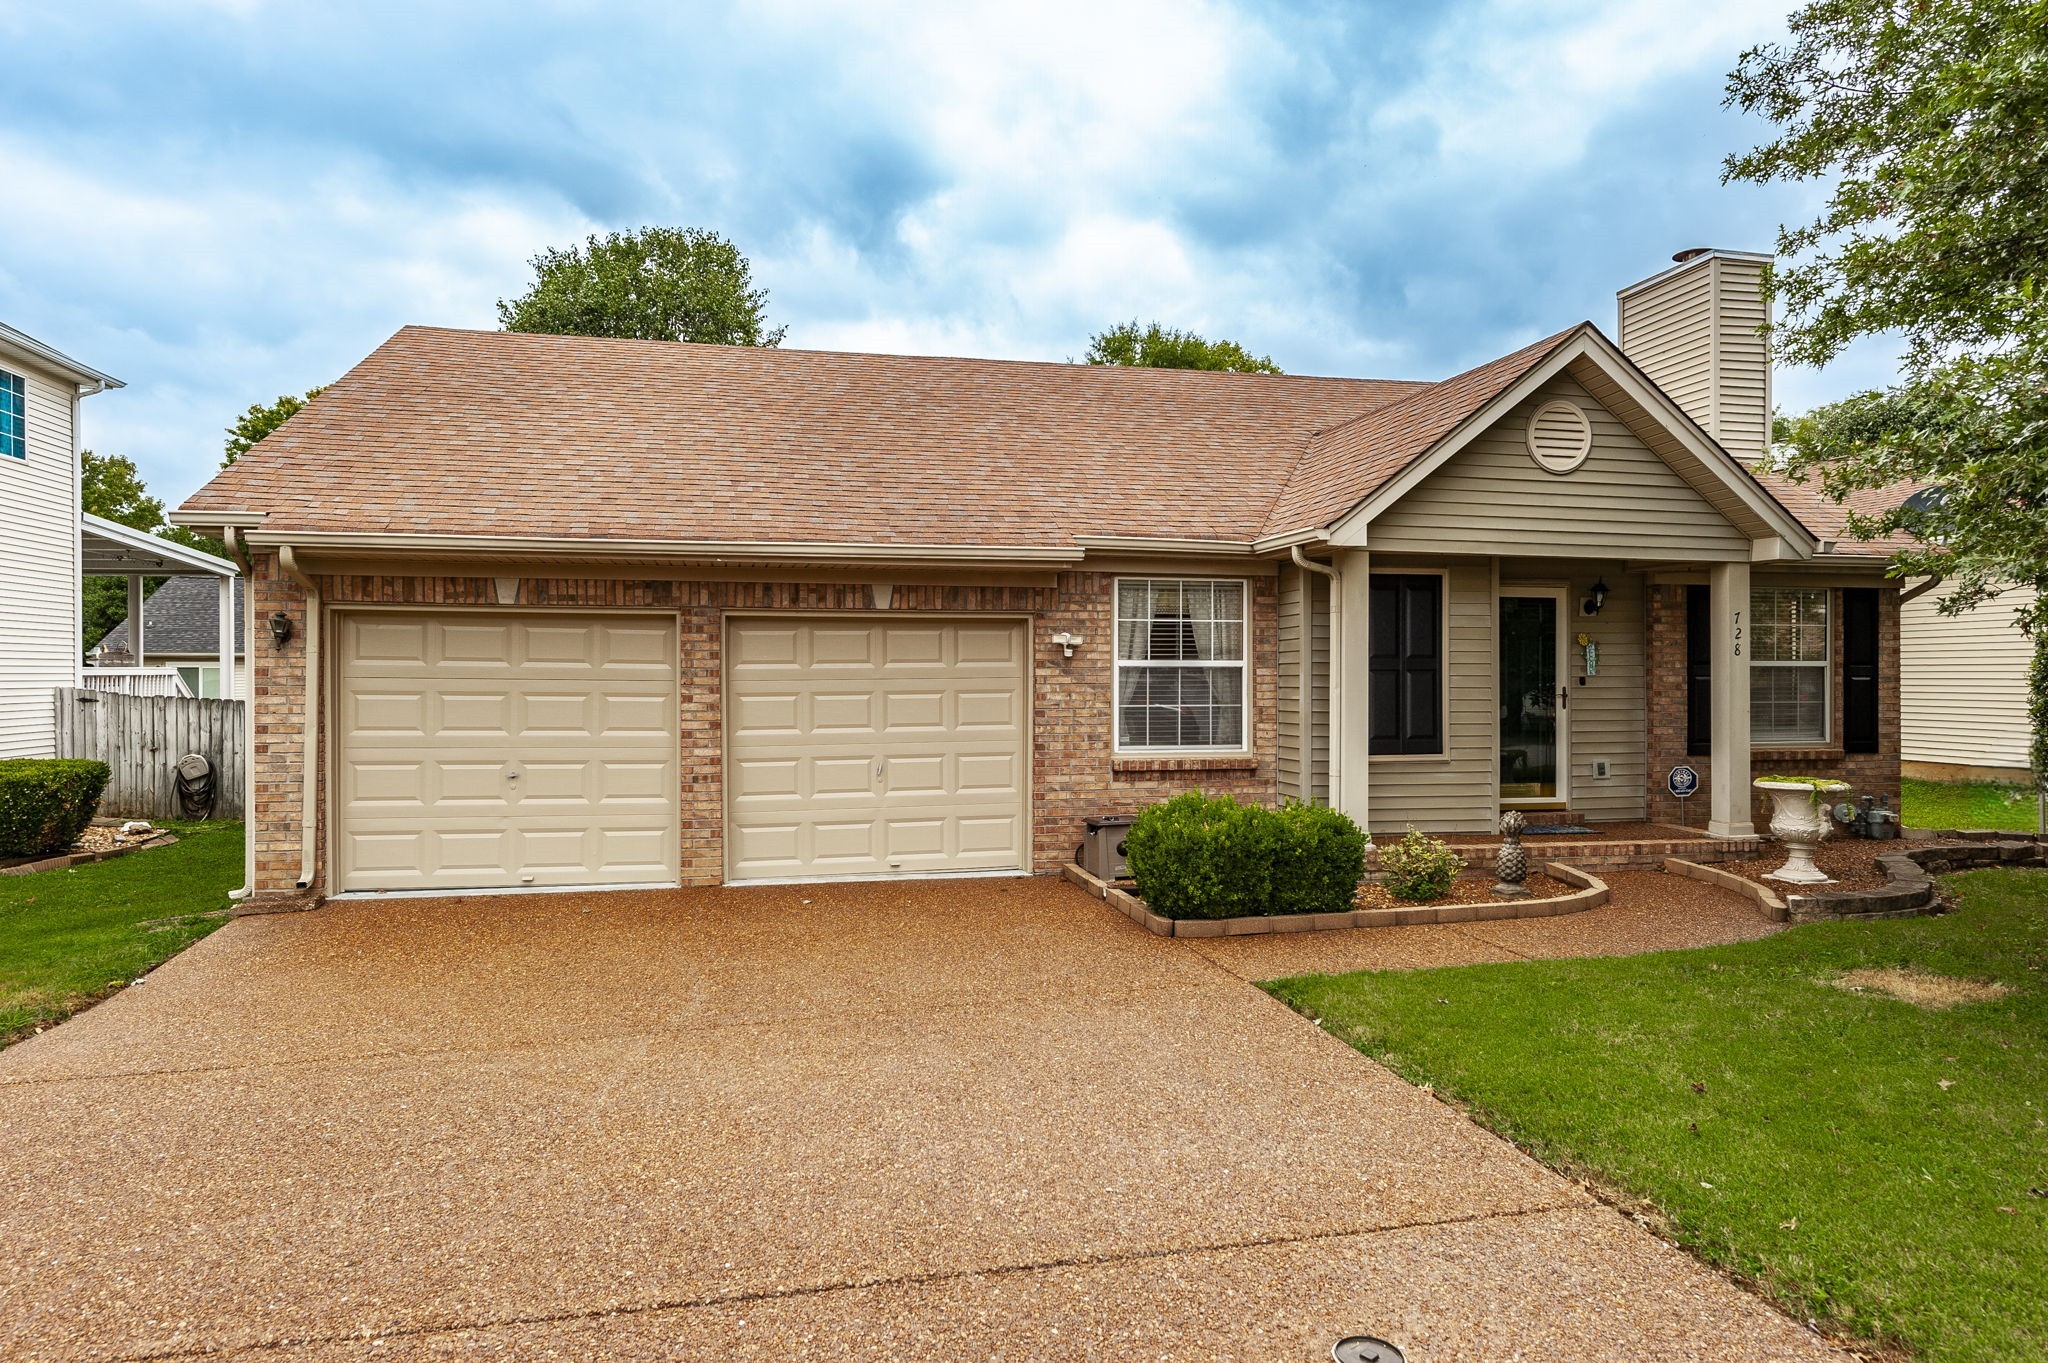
(222, 202)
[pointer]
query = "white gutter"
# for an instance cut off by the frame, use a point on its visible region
(309, 825)
(248, 739)
(1308, 728)
(710, 551)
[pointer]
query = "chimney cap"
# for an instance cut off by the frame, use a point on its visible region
(1689, 253)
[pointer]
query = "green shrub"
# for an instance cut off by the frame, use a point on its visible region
(1195, 857)
(1318, 859)
(1420, 867)
(45, 803)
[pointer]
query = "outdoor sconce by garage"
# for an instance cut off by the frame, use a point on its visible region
(281, 628)
(1592, 604)
(1067, 641)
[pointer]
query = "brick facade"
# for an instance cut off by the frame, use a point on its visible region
(1073, 771)
(1870, 773)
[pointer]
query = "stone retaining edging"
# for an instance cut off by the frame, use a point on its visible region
(1591, 893)
(69, 859)
(1910, 893)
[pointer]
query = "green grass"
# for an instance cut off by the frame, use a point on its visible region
(1969, 804)
(1793, 1132)
(68, 938)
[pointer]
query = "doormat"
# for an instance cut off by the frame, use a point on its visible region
(1551, 830)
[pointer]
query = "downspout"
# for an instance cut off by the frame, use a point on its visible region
(228, 536)
(309, 823)
(1308, 564)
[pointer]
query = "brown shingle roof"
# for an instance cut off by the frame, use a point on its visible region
(1828, 519)
(493, 433)
(1345, 464)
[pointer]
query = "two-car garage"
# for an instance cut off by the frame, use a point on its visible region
(491, 749)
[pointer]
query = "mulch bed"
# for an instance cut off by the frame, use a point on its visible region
(1464, 890)
(1851, 861)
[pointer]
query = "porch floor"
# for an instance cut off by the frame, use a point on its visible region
(1612, 846)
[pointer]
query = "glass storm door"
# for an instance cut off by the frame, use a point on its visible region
(1531, 697)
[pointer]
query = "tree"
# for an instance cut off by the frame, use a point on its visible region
(657, 284)
(1157, 347)
(1933, 117)
(261, 419)
(111, 487)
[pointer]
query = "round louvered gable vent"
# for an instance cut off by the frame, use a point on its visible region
(1560, 437)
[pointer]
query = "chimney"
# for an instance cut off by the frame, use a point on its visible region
(1693, 330)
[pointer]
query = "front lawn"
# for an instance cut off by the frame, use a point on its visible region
(70, 937)
(1870, 1163)
(1968, 804)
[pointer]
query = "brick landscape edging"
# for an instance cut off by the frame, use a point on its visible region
(1910, 893)
(1591, 894)
(69, 859)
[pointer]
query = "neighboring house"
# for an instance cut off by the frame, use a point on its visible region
(181, 628)
(1963, 687)
(40, 392)
(565, 611)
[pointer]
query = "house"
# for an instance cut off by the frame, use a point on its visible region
(182, 622)
(52, 542)
(1963, 687)
(563, 611)
(40, 392)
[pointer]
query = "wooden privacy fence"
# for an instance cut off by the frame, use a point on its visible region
(141, 738)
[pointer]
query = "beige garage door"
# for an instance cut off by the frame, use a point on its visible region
(485, 750)
(856, 747)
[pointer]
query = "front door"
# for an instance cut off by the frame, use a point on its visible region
(1533, 700)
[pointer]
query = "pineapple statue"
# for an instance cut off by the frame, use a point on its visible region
(1512, 862)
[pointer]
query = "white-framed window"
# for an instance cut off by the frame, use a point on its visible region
(1790, 682)
(13, 416)
(1180, 664)
(201, 680)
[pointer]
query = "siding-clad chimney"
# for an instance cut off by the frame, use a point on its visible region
(1693, 329)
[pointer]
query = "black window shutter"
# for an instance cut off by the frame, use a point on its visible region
(1859, 669)
(1699, 673)
(1406, 663)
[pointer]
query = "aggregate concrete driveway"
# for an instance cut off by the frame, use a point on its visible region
(968, 1120)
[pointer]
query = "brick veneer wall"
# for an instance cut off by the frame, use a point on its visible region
(1073, 772)
(1870, 773)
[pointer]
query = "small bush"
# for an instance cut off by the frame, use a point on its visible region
(1195, 857)
(1200, 858)
(1318, 859)
(1420, 868)
(45, 803)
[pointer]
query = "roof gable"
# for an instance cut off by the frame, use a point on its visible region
(182, 616)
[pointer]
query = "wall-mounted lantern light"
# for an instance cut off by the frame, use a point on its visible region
(1067, 641)
(281, 628)
(1592, 604)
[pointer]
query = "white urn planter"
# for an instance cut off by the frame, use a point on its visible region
(1799, 819)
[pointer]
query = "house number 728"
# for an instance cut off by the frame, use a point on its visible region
(1738, 634)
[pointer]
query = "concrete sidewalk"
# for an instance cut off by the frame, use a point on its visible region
(972, 1119)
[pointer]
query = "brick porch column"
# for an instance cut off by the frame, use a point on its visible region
(1729, 795)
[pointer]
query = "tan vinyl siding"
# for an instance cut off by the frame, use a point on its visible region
(1608, 717)
(39, 589)
(1695, 332)
(1963, 683)
(1454, 793)
(1291, 761)
(1668, 331)
(1742, 411)
(1623, 500)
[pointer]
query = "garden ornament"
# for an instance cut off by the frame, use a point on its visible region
(1512, 863)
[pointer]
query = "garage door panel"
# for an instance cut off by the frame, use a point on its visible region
(859, 747)
(470, 713)
(436, 714)
(479, 645)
